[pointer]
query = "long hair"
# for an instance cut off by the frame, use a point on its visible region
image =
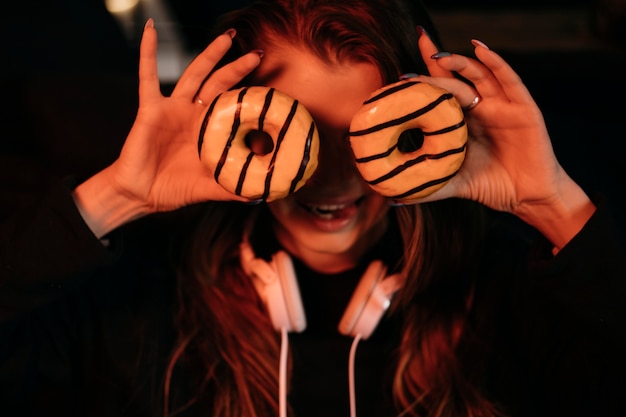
(224, 331)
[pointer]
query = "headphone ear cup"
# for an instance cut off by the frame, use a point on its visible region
(369, 302)
(276, 284)
(285, 304)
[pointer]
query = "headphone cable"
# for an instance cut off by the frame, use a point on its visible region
(351, 381)
(282, 375)
(282, 372)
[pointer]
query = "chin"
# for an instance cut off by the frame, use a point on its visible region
(329, 243)
(346, 232)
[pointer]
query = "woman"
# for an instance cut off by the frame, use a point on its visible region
(476, 329)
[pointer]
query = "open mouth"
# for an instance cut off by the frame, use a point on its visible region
(331, 211)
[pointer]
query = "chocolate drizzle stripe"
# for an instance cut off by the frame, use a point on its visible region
(251, 155)
(377, 156)
(205, 122)
(390, 91)
(233, 132)
(279, 141)
(305, 159)
(242, 174)
(390, 150)
(266, 106)
(445, 129)
(403, 119)
(424, 186)
(397, 170)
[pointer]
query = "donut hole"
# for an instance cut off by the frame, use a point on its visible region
(259, 142)
(410, 140)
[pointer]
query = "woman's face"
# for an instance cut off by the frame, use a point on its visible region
(331, 221)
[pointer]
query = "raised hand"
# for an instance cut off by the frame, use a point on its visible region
(510, 164)
(158, 168)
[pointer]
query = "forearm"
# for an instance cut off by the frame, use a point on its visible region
(574, 318)
(562, 217)
(42, 247)
(102, 207)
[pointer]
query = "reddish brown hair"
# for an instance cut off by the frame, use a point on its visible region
(223, 326)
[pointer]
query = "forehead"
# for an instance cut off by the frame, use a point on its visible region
(332, 92)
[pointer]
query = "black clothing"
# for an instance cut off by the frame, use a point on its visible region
(86, 328)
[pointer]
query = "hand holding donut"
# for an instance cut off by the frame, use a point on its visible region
(510, 164)
(158, 168)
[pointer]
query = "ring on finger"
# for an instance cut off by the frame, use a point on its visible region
(473, 104)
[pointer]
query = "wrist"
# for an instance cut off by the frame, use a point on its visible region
(562, 217)
(103, 207)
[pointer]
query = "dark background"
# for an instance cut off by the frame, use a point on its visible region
(69, 84)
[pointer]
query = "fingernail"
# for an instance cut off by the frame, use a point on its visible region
(149, 23)
(395, 203)
(440, 55)
(254, 202)
(231, 32)
(408, 75)
(476, 42)
(421, 31)
(259, 52)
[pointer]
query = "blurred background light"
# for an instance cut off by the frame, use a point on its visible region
(120, 6)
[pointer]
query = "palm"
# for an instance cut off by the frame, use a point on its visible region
(510, 160)
(159, 166)
(162, 166)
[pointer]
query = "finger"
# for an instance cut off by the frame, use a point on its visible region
(427, 49)
(510, 81)
(204, 190)
(149, 86)
(229, 75)
(474, 71)
(197, 71)
(463, 92)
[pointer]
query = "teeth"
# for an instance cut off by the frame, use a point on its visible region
(328, 207)
(326, 210)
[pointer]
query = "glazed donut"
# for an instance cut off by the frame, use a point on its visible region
(409, 139)
(290, 137)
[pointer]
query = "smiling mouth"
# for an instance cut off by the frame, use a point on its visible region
(331, 211)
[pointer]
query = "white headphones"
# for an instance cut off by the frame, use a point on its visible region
(277, 286)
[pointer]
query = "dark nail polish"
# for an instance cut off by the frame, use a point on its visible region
(408, 75)
(477, 42)
(254, 202)
(231, 32)
(440, 55)
(421, 31)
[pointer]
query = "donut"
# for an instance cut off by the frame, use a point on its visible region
(408, 139)
(284, 126)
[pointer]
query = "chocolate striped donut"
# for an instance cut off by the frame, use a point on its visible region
(225, 150)
(434, 120)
